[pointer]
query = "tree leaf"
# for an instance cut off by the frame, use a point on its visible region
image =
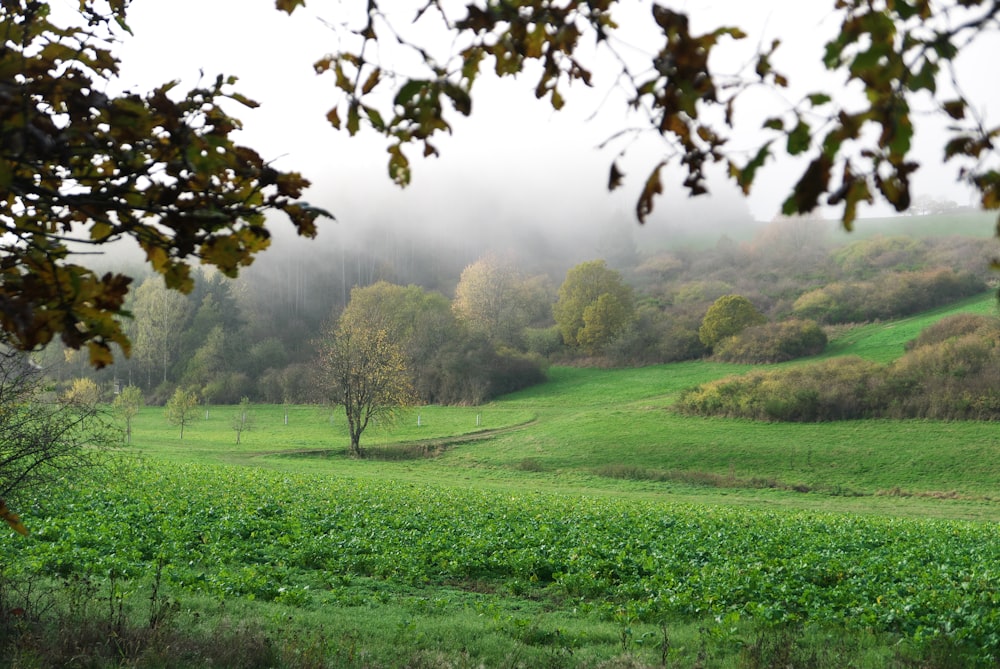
(615, 177)
(954, 109)
(333, 116)
(799, 138)
(289, 6)
(652, 188)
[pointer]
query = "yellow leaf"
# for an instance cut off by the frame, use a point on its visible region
(12, 519)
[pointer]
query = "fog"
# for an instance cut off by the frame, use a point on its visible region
(516, 177)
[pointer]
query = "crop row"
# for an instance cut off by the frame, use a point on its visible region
(252, 533)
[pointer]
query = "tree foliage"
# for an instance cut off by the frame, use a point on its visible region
(728, 316)
(948, 374)
(159, 315)
(857, 148)
(82, 392)
(81, 167)
(181, 408)
(594, 305)
(492, 299)
(126, 406)
(773, 342)
(361, 368)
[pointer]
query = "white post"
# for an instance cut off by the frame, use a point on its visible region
(479, 419)
(418, 420)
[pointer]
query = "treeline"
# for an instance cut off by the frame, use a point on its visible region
(949, 372)
(495, 325)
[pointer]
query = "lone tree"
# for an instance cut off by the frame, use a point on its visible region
(363, 370)
(181, 408)
(728, 316)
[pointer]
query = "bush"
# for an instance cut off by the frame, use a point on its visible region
(953, 379)
(839, 389)
(953, 327)
(773, 342)
(543, 341)
(892, 296)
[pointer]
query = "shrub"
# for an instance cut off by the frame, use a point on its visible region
(543, 341)
(773, 342)
(839, 389)
(953, 327)
(954, 379)
(892, 296)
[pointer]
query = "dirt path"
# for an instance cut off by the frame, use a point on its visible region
(417, 448)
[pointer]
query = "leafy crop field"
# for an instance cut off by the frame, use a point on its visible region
(302, 541)
(580, 523)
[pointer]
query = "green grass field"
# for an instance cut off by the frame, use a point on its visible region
(611, 432)
(579, 523)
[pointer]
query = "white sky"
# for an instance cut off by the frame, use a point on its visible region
(515, 157)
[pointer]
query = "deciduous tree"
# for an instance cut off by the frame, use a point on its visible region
(181, 408)
(41, 439)
(729, 315)
(82, 392)
(491, 299)
(82, 166)
(126, 406)
(243, 419)
(362, 369)
(159, 315)
(594, 305)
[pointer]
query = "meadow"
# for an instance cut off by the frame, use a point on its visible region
(579, 523)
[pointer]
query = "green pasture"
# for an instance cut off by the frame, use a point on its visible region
(578, 523)
(612, 433)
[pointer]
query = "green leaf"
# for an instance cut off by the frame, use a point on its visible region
(399, 166)
(408, 91)
(774, 123)
(459, 98)
(799, 138)
(745, 176)
(372, 81)
(811, 185)
(375, 118)
(353, 118)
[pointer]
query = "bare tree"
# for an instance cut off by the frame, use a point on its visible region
(41, 437)
(243, 419)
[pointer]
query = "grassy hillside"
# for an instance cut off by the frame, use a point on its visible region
(580, 523)
(611, 432)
